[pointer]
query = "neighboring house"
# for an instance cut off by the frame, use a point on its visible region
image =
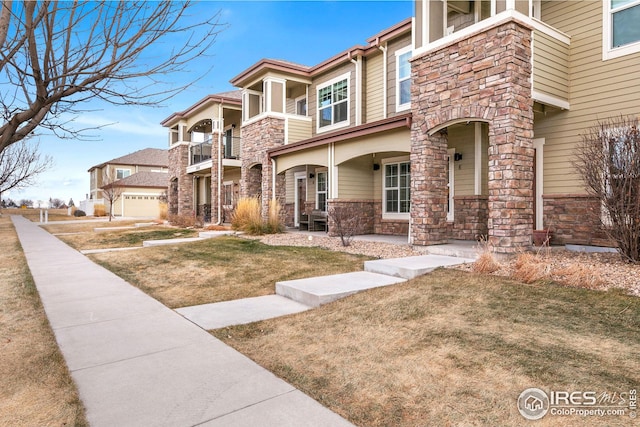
(142, 177)
(458, 123)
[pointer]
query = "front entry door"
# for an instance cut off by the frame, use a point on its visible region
(301, 197)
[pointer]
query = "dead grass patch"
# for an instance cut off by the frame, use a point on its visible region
(37, 389)
(122, 238)
(451, 348)
(221, 269)
(529, 268)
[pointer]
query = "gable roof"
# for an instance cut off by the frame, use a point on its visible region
(233, 97)
(145, 157)
(305, 71)
(145, 179)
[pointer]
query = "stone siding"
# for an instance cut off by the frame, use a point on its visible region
(257, 138)
(363, 209)
(575, 219)
(485, 77)
(394, 227)
(180, 201)
(471, 214)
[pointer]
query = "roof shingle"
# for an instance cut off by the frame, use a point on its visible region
(145, 157)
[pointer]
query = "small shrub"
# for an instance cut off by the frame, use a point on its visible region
(183, 220)
(580, 276)
(486, 262)
(247, 216)
(529, 268)
(164, 211)
(79, 212)
(99, 210)
(347, 222)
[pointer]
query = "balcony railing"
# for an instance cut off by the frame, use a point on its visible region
(231, 147)
(200, 153)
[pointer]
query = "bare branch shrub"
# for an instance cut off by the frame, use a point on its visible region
(608, 160)
(111, 189)
(346, 222)
(184, 220)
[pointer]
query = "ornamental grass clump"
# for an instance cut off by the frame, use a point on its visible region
(274, 221)
(247, 216)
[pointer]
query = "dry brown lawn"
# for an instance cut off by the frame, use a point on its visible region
(80, 236)
(452, 348)
(221, 269)
(36, 388)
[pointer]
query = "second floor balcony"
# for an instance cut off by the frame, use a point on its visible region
(201, 154)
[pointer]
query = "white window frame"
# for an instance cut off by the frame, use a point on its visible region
(324, 172)
(245, 105)
(344, 123)
(306, 104)
(608, 51)
(399, 54)
(118, 170)
(394, 215)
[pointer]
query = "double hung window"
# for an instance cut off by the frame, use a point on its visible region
(403, 79)
(333, 103)
(397, 188)
(321, 191)
(621, 32)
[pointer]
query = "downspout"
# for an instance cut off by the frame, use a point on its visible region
(273, 179)
(358, 65)
(384, 80)
(219, 177)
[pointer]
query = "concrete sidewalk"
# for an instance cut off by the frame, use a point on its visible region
(138, 363)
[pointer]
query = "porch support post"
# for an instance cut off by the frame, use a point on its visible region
(429, 178)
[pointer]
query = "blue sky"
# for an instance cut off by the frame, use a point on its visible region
(306, 32)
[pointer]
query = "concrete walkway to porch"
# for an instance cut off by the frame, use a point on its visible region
(294, 296)
(139, 363)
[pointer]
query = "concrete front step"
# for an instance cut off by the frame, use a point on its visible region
(148, 243)
(316, 291)
(462, 249)
(242, 311)
(410, 267)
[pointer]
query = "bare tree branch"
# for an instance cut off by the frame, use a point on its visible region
(20, 165)
(111, 188)
(608, 159)
(58, 55)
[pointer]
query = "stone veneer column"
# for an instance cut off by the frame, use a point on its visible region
(428, 187)
(178, 162)
(485, 77)
(257, 138)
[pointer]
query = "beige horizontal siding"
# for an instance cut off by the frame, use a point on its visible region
(392, 141)
(298, 130)
(356, 178)
(550, 66)
(598, 90)
(315, 156)
(462, 138)
(373, 94)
